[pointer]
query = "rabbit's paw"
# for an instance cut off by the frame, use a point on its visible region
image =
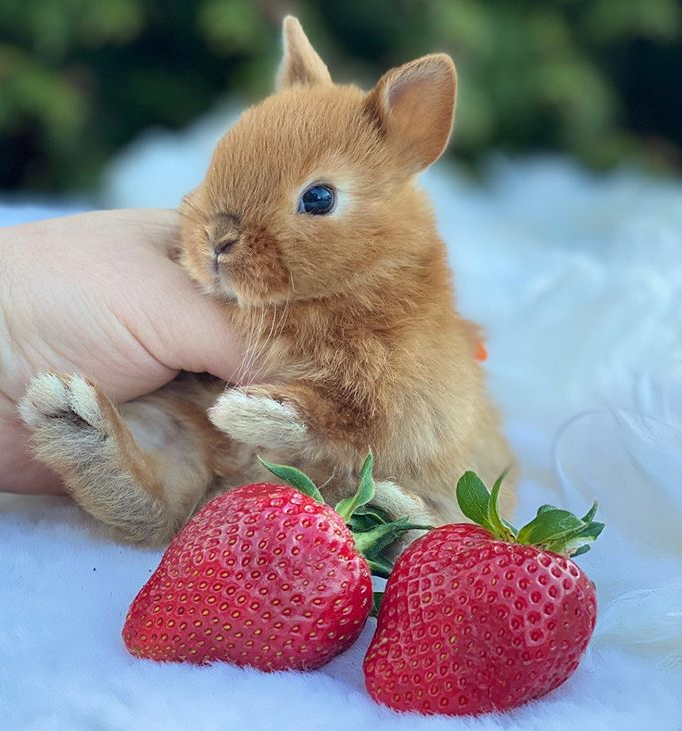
(78, 432)
(70, 421)
(59, 407)
(256, 419)
(399, 502)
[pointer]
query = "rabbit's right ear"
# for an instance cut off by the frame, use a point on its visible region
(414, 105)
(301, 64)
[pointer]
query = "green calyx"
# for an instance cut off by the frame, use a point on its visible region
(552, 529)
(294, 478)
(372, 528)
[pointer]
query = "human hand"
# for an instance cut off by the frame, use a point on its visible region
(97, 293)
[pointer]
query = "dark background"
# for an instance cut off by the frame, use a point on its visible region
(598, 79)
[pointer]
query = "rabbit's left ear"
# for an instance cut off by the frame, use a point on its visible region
(414, 106)
(301, 64)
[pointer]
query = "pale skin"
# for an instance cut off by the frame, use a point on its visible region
(98, 294)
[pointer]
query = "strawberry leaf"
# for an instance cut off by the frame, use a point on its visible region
(587, 518)
(577, 542)
(295, 478)
(473, 499)
(366, 517)
(365, 492)
(376, 514)
(592, 531)
(548, 526)
(377, 596)
(359, 523)
(501, 529)
(552, 529)
(560, 531)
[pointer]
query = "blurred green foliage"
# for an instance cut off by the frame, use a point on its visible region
(80, 78)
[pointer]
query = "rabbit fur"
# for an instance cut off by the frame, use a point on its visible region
(353, 340)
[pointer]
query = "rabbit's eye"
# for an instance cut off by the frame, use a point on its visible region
(318, 200)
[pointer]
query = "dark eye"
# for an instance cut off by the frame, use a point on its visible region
(318, 200)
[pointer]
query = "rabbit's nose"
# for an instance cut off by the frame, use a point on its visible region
(224, 245)
(226, 231)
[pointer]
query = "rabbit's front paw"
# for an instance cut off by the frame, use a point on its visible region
(256, 419)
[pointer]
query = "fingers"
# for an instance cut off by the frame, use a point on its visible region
(19, 472)
(199, 338)
(176, 323)
(190, 331)
(182, 327)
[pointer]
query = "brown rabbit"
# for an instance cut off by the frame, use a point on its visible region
(310, 229)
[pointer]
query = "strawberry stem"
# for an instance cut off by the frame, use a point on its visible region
(380, 567)
(371, 542)
(377, 598)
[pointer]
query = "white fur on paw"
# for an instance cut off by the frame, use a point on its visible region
(258, 420)
(83, 401)
(47, 396)
(399, 503)
(52, 396)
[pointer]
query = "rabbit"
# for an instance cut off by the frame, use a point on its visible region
(310, 230)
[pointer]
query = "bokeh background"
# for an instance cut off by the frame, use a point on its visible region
(598, 79)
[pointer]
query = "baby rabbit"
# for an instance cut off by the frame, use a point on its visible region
(311, 231)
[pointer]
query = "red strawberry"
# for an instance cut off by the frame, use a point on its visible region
(263, 575)
(479, 618)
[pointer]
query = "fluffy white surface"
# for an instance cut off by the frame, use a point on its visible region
(578, 281)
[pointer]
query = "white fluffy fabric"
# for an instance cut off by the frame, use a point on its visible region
(578, 282)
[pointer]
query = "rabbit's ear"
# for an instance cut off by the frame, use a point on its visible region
(414, 105)
(301, 64)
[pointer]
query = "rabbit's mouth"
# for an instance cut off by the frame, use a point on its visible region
(222, 284)
(219, 265)
(251, 269)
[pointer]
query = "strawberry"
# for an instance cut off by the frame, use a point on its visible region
(479, 618)
(265, 575)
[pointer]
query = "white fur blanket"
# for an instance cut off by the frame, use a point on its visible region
(578, 282)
